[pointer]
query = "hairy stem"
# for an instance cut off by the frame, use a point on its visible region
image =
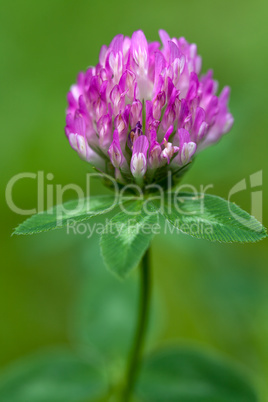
(137, 348)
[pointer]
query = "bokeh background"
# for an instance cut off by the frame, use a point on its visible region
(215, 295)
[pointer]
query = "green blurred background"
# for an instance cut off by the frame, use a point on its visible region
(212, 294)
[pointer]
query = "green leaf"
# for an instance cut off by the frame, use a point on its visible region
(104, 315)
(52, 377)
(210, 217)
(58, 216)
(188, 375)
(127, 236)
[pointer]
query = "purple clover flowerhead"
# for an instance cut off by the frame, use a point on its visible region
(144, 109)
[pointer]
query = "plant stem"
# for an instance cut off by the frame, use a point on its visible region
(137, 348)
